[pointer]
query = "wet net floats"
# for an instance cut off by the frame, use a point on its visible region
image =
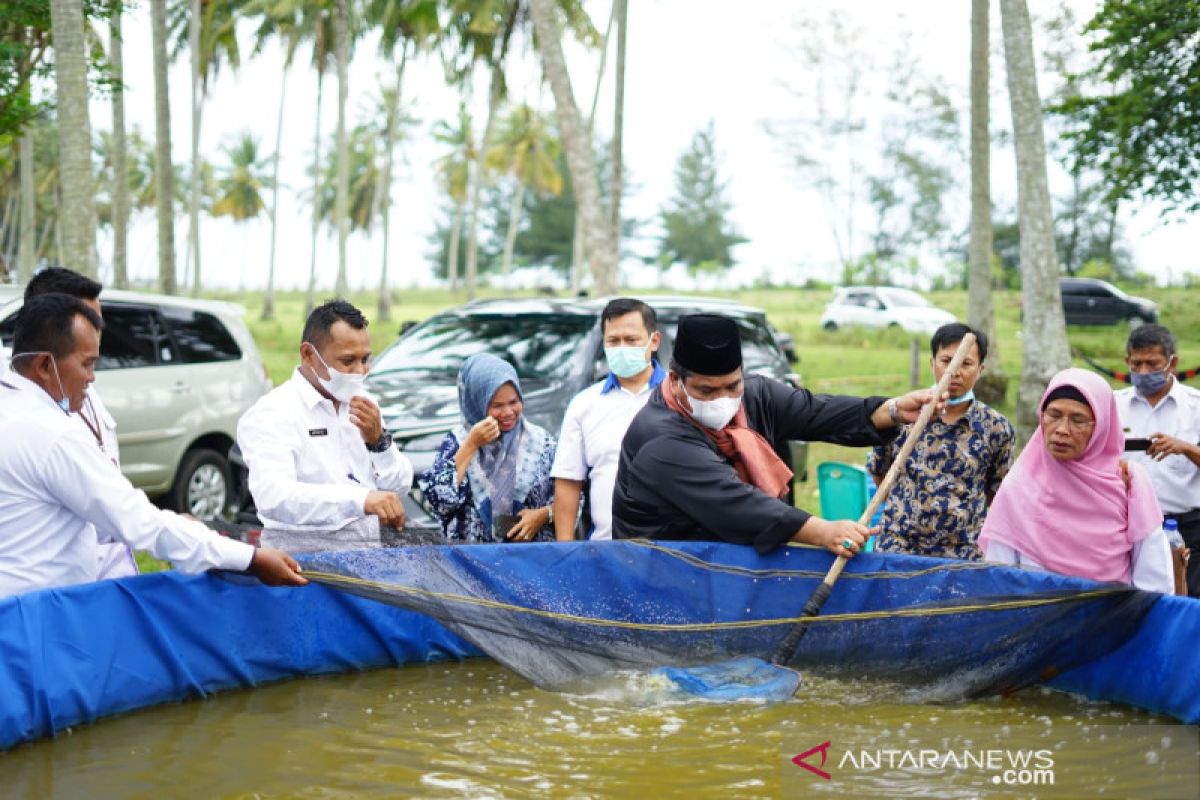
(561, 615)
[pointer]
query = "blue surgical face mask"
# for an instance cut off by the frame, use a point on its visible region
(965, 397)
(625, 362)
(63, 402)
(1149, 384)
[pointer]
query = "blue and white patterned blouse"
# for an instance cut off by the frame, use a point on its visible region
(463, 507)
(941, 497)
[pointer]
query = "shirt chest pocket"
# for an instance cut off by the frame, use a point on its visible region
(322, 452)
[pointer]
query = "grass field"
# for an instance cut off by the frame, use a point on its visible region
(845, 362)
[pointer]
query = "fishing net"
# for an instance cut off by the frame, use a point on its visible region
(559, 614)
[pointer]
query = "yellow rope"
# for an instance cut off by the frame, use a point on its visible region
(860, 616)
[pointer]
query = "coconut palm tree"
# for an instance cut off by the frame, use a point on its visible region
(1045, 332)
(75, 136)
(454, 170)
(208, 30)
(242, 181)
(616, 165)
(280, 20)
(410, 26)
(481, 31)
(527, 149)
(120, 172)
(164, 173)
(578, 145)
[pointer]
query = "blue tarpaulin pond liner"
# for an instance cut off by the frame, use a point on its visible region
(558, 616)
(557, 612)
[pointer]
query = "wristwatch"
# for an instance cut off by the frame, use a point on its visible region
(381, 444)
(550, 517)
(893, 409)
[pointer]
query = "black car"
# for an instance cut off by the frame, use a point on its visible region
(1089, 301)
(556, 348)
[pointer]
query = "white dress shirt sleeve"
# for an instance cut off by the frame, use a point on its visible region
(84, 481)
(393, 471)
(1153, 567)
(279, 495)
(570, 459)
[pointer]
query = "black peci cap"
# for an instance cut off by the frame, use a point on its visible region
(708, 344)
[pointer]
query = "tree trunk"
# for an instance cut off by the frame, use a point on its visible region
(577, 233)
(194, 195)
(617, 165)
(341, 202)
(514, 219)
(120, 168)
(578, 145)
(27, 251)
(1045, 334)
(384, 192)
(268, 309)
(980, 311)
(310, 294)
(472, 266)
(74, 137)
(164, 168)
(452, 250)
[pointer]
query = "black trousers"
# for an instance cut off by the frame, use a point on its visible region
(1189, 529)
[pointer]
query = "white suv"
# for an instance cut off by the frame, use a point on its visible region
(176, 374)
(883, 307)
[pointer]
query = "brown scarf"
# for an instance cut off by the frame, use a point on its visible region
(755, 461)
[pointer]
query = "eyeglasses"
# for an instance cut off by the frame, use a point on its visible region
(1076, 423)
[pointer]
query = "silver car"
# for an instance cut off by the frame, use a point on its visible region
(176, 374)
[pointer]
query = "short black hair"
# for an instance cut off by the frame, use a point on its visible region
(1144, 337)
(62, 281)
(953, 333)
(323, 317)
(45, 322)
(628, 305)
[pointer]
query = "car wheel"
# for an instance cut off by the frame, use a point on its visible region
(202, 485)
(830, 326)
(893, 326)
(1136, 322)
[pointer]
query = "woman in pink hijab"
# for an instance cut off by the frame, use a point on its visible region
(1070, 505)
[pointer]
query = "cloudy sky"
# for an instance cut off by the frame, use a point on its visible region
(689, 61)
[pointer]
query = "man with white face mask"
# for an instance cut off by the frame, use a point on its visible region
(589, 444)
(324, 473)
(698, 462)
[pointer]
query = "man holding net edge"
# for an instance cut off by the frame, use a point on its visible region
(698, 463)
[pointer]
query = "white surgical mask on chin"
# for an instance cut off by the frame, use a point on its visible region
(714, 414)
(341, 385)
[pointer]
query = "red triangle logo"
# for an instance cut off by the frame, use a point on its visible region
(800, 760)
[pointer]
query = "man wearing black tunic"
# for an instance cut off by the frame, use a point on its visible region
(697, 461)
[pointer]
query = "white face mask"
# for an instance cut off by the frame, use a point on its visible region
(341, 385)
(714, 414)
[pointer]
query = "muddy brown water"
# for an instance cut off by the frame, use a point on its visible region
(472, 729)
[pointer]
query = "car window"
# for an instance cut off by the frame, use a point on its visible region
(133, 337)
(200, 337)
(903, 297)
(538, 345)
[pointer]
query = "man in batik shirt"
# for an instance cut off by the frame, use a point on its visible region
(940, 499)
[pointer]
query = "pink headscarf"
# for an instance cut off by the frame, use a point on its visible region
(1076, 517)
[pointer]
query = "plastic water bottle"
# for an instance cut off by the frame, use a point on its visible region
(1171, 529)
(1179, 555)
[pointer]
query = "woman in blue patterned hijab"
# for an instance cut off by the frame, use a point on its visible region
(491, 479)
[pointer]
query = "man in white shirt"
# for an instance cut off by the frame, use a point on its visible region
(324, 473)
(589, 445)
(1161, 409)
(58, 490)
(116, 559)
